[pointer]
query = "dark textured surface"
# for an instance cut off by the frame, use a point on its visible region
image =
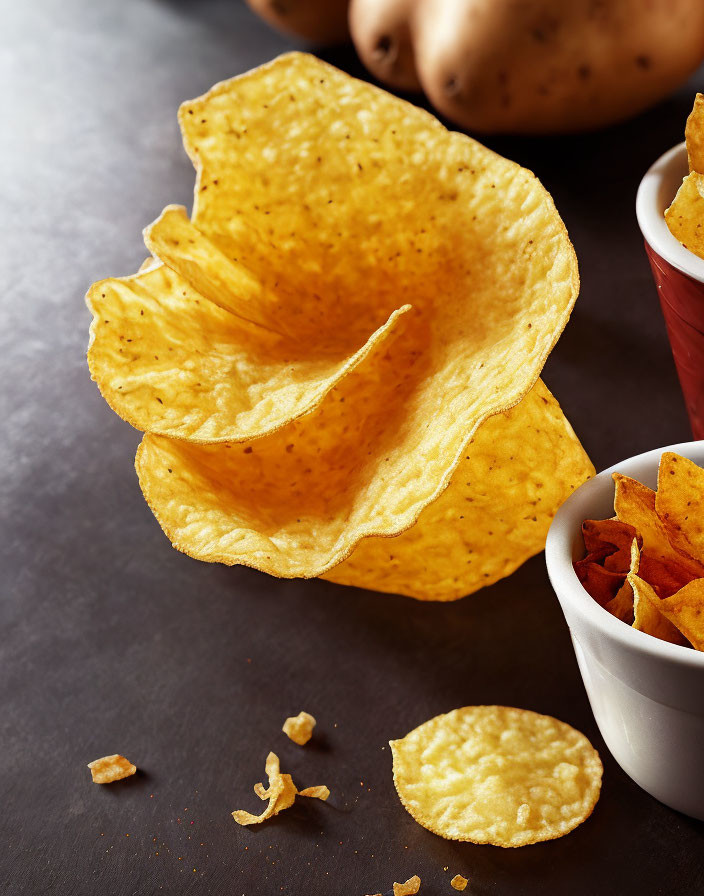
(111, 641)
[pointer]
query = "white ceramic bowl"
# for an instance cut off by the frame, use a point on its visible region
(647, 695)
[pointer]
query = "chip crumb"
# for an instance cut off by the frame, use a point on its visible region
(281, 793)
(111, 768)
(458, 882)
(299, 728)
(411, 886)
(320, 792)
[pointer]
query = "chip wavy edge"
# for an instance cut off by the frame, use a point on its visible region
(410, 518)
(374, 341)
(393, 744)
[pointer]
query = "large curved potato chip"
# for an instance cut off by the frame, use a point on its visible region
(519, 467)
(337, 203)
(494, 774)
(181, 351)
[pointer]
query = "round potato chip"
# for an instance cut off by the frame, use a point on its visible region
(495, 774)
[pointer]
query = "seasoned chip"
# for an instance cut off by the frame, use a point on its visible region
(319, 792)
(685, 611)
(519, 467)
(409, 888)
(685, 217)
(357, 291)
(634, 504)
(299, 728)
(678, 502)
(494, 774)
(694, 135)
(281, 793)
(458, 882)
(111, 768)
(648, 614)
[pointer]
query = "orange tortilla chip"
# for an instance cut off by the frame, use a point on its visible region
(685, 610)
(281, 794)
(635, 504)
(694, 135)
(678, 503)
(649, 615)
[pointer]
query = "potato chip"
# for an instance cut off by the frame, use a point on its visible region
(111, 768)
(685, 216)
(170, 359)
(299, 728)
(357, 292)
(458, 882)
(319, 792)
(519, 467)
(281, 793)
(409, 888)
(494, 774)
(694, 135)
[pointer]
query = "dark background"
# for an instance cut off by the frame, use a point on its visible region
(111, 641)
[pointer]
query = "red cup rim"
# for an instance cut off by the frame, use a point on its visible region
(655, 193)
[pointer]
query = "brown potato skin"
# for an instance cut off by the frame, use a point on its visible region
(381, 32)
(322, 22)
(548, 66)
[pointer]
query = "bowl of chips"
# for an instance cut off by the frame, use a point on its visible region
(670, 211)
(647, 694)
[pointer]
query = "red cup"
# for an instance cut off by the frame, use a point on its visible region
(679, 277)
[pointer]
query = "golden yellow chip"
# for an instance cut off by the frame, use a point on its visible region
(358, 291)
(458, 882)
(299, 728)
(519, 467)
(319, 792)
(111, 768)
(409, 888)
(685, 217)
(281, 793)
(494, 774)
(694, 135)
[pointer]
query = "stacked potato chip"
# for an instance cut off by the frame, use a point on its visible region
(335, 361)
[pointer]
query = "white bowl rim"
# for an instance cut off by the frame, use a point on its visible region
(558, 557)
(650, 213)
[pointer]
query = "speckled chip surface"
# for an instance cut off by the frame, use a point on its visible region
(495, 774)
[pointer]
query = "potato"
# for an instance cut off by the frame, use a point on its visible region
(381, 32)
(320, 21)
(520, 66)
(548, 66)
